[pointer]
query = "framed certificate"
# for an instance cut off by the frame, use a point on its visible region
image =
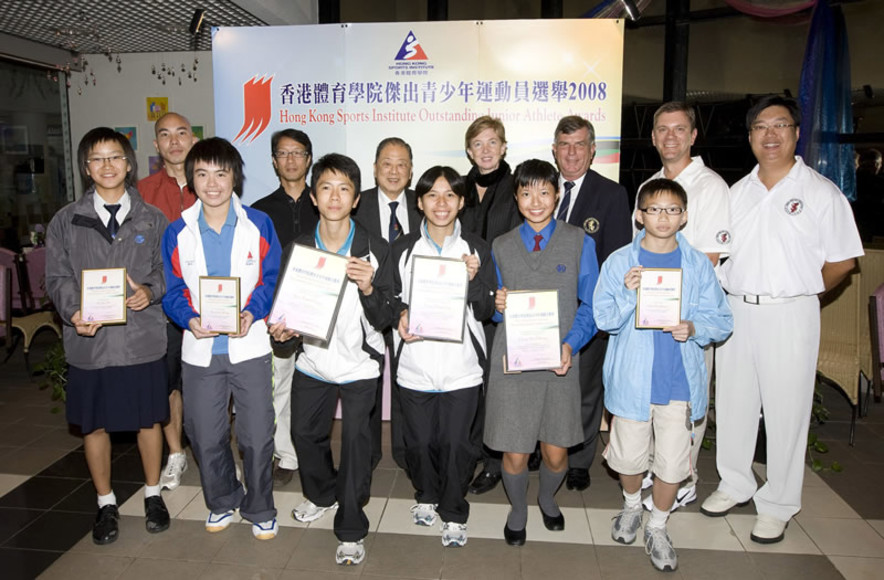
(219, 304)
(310, 291)
(532, 331)
(103, 295)
(438, 298)
(658, 304)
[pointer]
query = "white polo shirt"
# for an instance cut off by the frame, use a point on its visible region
(708, 227)
(783, 236)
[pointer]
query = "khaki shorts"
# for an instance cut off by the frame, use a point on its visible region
(669, 426)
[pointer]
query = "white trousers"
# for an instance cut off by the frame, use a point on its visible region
(283, 448)
(768, 363)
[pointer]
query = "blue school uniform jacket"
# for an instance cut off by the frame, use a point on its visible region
(630, 356)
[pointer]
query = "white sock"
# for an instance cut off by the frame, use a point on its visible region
(109, 499)
(658, 518)
(151, 490)
(632, 500)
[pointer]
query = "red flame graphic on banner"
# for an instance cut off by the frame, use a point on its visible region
(256, 108)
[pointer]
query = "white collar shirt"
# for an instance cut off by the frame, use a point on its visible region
(384, 211)
(104, 215)
(783, 236)
(578, 183)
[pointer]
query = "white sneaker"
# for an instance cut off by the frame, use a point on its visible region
(265, 530)
(350, 553)
(175, 466)
(648, 481)
(307, 511)
(454, 534)
(683, 497)
(219, 522)
(423, 514)
(659, 547)
(768, 530)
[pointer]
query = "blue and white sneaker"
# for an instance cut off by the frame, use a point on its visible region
(219, 522)
(423, 514)
(265, 530)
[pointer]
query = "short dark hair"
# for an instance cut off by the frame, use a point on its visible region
(572, 124)
(99, 135)
(392, 141)
(677, 107)
(661, 185)
(293, 134)
(773, 101)
(534, 171)
(340, 164)
(429, 177)
(219, 152)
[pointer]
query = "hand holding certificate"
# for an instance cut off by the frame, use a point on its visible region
(658, 303)
(438, 298)
(533, 341)
(219, 304)
(310, 291)
(103, 296)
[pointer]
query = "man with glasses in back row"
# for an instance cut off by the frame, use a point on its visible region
(292, 213)
(794, 239)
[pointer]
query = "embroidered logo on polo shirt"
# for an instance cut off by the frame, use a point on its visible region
(723, 237)
(794, 206)
(591, 225)
(139, 239)
(250, 261)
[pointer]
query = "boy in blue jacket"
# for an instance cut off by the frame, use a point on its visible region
(658, 395)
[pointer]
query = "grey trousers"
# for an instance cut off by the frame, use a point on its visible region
(207, 395)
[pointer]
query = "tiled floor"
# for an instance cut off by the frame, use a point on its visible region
(47, 504)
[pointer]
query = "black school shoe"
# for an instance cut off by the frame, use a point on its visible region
(577, 479)
(514, 537)
(484, 482)
(106, 528)
(156, 514)
(553, 523)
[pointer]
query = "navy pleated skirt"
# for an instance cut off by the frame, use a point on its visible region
(125, 398)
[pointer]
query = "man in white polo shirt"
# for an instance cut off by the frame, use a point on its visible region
(707, 229)
(794, 238)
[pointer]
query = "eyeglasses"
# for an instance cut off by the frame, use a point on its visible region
(99, 161)
(286, 154)
(654, 210)
(777, 128)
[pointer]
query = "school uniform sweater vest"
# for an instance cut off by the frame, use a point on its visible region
(557, 267)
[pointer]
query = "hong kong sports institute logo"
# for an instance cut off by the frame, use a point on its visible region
(256, 108)
(411, 58)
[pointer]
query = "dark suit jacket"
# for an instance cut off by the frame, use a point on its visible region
(369, 214)
(602, 211)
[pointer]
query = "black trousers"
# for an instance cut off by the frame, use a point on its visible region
(397, 442)
(490, 458)
(592, 401)
(438, 450)
(313, 411)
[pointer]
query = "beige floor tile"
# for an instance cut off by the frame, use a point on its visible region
(419, 557)
(218, 571)
(132, 542)
(196, 510)
(242, 548)
(374, 509)
(696, 531)
(600, 526)
(487, 520)
(186, 540)
(556, 561)
(84, 566)
(151, 569)
(576, 527)
(796, 541)
(878, 525)
(319, 575)
(822, 502)
(285, 502)
(844, 537)
(9, 481)
(859, 568)
(486, 560)
(315, 552)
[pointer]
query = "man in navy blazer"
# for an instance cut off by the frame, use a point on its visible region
(601, 208)
(389, 210)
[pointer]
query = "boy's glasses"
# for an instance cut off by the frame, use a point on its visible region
(99, 161)
(776, 128)
(654, 210)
